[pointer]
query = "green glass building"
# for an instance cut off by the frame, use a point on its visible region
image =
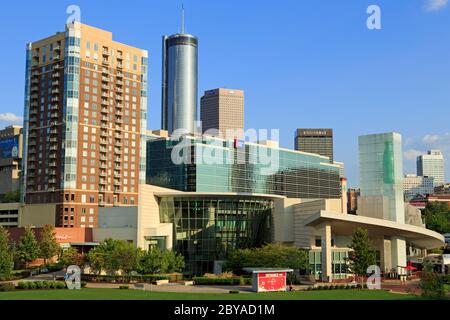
(207, 227)
(215, 165)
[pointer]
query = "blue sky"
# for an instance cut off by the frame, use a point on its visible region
(302, 63)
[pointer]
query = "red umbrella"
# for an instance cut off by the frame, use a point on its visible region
(410, 267)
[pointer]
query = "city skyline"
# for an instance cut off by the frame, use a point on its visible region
(363, 84)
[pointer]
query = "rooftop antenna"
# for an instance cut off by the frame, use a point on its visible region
(182, 18)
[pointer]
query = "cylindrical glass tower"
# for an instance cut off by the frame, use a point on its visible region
(179, 82)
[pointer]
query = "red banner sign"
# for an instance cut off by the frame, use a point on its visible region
(271, 281)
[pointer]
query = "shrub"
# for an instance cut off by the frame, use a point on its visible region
(433, 285)
(216, 281)
(124, 287)
(35, 285)
(234, 291)
(83, 284)
(7, 286)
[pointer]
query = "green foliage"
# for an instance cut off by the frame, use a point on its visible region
(7, 286)
(71, 256)
(269, 256)
(100, 258)
(6, 255)
(432, 283)
(437, 216)
(217, 281)
(48, 247)
(124, 287)
(362, 256)
(10, 197)
(36, 285)
(124, 279)
(157, 261)
(28, 247)
(125, 257)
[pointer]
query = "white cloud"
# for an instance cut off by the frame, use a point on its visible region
(411, 154)
(10, 117)
(430, 138)
(436, 5)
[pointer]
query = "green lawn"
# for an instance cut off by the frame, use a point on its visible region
(117, 294)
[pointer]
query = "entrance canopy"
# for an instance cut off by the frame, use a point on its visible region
(345, 224)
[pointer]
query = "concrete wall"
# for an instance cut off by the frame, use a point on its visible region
(283, 219)
(304, 237)
(124, 233)
(118, 217)
(37, 215)
(374, 207)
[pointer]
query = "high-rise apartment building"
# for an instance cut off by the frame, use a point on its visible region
(179, 82)
(432, 165)
(223, 110)
(319, 141)
(85, 121)
(10, 159)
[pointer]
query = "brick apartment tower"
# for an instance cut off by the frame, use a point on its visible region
(222, 109)
(84, 122)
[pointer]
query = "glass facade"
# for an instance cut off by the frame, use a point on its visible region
(381, 170)
(339, 264)
(70, 111)
(226, 168)
(206, 228)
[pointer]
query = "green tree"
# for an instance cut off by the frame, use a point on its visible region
(28, 247)
(71, 256)
(101, 257)
(153, 261)
(269, 256)
(437, 216)
(362, 256)
(6, 256)
(175, 262)
(48, 247)
(125, 257)
(432, 283)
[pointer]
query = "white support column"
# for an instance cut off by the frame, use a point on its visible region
(327, 272)
(398, 250)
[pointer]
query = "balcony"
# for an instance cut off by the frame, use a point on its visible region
(102, 173)
(33, 112)
(119, 120)
(119, 82)
(31, 167)
(119, 90)
(34, 81)
(56, 57)
(34, 104)
(103, 150)
(103, 141)
(105, 79)
(119, 98)
(52, 181)
(34, 96)
(105, 95)
(53, 148)
(57, 48)
(105, 52)
(55, 83)
(117, 151)
(105, 71)
(55, 99)
(104, 126)
(105, 110)
(52, 164)
(104, 133)
(105, 61)
(117, 160)
(52, 172)
(119, 106)
(102, 182)
(54, 115)
(55, 91)
(103, 158)
(54, 107)
(52, 156)
(56, 75)
(119, 74)
(105, 102)
(53, 140)
(32, 143)
(103, 165)
(54, 131)
(119, 65)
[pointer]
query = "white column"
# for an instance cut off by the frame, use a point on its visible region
(327, 272)
(398, 251)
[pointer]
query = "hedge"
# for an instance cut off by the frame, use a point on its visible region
(123, 279)
(35, 285)
(7, 286)
(221, 281)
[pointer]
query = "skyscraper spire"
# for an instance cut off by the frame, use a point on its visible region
(182, 18)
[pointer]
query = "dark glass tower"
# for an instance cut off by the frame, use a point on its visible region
(179, 82)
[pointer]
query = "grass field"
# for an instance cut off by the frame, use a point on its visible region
(117, 294)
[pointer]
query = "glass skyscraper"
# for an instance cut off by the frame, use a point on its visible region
(179, 82)
(231, 168)
(381, 171)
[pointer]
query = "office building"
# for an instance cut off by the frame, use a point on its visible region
(432, 165)
(381, 186)
(10, 159)
(179, 82)
(85, 122)
(414, 185)
(220, 165)
(318, 141)
(223, 110)
(352, 200)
